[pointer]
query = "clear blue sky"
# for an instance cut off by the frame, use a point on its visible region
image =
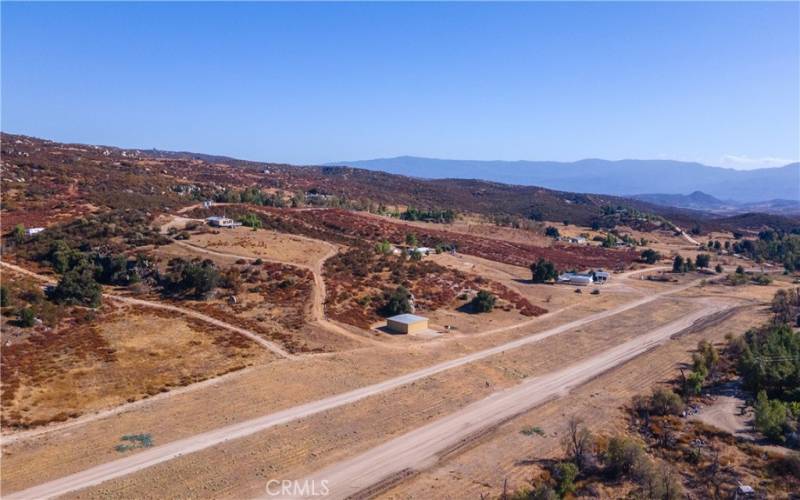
(308, 83)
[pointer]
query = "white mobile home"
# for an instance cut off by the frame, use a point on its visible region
(219, 221)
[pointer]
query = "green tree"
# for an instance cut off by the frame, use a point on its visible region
(622, 455)
(543, 271)
(483, 301)
(694, 383)
(78, 287)
(19, 233)
(770, 417)
(552, 232)
(5, 296)
(718, 268)
(665, 402)
(383, 247)
(678, 264)
(610, 241)
(62, 257)
(399, 302)
(411, 239)
(26, 317)
(703, 260)
(565, 474)
(650, 256)
(770, 361)
(251, 220)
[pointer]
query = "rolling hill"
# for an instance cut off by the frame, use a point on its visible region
(620, 178)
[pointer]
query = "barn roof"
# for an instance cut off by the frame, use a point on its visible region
(407, 318)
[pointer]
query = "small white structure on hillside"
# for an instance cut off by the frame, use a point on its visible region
(575, 279)
(33, 230)
(219, 221)
(601, 276)
(583, 279)
(422, 250)
(407, 323)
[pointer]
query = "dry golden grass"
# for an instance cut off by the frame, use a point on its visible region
(117, 357)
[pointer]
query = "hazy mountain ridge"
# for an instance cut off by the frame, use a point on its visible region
(619, 178)
(699, 200)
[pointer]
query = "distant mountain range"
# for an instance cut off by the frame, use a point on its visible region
(620, 178)
(699, 200)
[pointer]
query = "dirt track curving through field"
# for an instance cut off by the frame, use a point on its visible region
(422, 447)
(319, 294)
(169, 451)
(271, 346)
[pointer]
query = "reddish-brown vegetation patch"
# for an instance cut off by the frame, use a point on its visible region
(345, 226)
(360, 281)
(270, 299)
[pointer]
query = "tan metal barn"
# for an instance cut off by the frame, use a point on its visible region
(407, 323)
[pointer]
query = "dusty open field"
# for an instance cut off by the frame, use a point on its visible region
(302, 447)
(366, 366)
(266, 244)
(120, 356)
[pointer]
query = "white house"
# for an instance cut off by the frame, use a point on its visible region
(583, 279)
(219, 221)
(422, 250)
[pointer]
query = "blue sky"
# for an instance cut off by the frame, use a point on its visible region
(317, 82)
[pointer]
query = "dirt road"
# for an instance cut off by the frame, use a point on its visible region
(163, 453)
(422, 447)
(319, 294)
(271, 346)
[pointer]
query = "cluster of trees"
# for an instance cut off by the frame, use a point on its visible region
(768, 360)
(786, 307)
(543, 271)
(194, 278)
(704, 367)
(251, 220)
(552, 232)
(440, 216)
(773, 246)
(620, 457)
(82, 272)
(740, 277)
(610, 241)
(252, 195)
(717, 246)
(682, 264)
(78, 286)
